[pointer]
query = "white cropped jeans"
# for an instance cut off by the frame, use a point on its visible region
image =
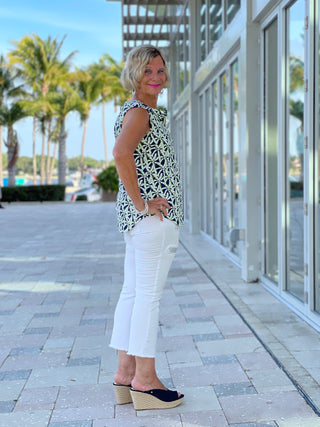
(150, 248)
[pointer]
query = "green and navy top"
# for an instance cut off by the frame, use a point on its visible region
(157, 169)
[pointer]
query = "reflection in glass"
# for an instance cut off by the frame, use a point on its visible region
(209, 165)
(203, 30)
(232, 8)
(187, 157)
(187, 47)
(294, 146)
(215, 21)
(270, 141)
(214, 17)
(235, 148)
(177, 69)
(317, 195)
(225, 157)
(181, 58)
(182, 48)
(203, 164)
(216, 161)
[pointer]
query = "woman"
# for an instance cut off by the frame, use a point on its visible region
(149, 209)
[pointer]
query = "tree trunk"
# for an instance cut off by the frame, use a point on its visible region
(105, 134)
(48, 153)
(82, 145)
(34, 154)
(1, 165)
(43, 152)
(12, 144)
(53, 160)
(62, 157)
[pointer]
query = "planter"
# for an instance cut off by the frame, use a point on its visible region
(108, 196)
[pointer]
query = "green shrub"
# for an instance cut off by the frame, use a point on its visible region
(108, 179)
(33, 193)
(81, 198)
(296, 189)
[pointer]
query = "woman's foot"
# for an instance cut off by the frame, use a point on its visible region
(123, 379)
(146, 378)
(154, 384)
(155, 399)
(147, 384)
(126, 369)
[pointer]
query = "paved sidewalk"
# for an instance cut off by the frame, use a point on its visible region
(60, 277)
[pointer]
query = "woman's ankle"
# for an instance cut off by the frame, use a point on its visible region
(123, 379)
(126, 369)
(146, 383)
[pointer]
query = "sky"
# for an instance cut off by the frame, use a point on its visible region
(92, 28)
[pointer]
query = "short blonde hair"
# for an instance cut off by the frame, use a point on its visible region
(137, 60)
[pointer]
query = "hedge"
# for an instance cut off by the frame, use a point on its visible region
(81, 198)
(33, 193)
(296, 190)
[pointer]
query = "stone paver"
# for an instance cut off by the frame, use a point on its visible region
(61, 271)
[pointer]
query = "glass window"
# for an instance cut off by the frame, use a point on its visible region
(216, 162)
(182, 48)
(203, 31)
(235, 148)
(206, 165)
(215, 21)
(225, 159)
(181, 139)
(209, 163)
(270, 141)
(187, 157)
(232, 8)
(214, 16)
(177, 68)
(181, 58)
(187, 50)
(317, 179)
(203, 142)
(295, 147)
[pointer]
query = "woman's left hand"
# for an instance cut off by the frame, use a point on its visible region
(158, 206)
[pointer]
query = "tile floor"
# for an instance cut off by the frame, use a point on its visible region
(60, 277)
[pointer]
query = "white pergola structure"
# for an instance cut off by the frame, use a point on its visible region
(148, 22)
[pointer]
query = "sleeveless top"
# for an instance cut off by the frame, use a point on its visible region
(157, 169)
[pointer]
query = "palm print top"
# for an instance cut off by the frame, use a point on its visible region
(157, 169)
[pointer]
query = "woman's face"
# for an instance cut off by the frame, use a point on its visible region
(154, 77)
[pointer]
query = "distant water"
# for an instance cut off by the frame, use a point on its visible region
(23, 181)
(19, 181)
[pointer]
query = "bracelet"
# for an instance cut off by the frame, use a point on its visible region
(145, 210)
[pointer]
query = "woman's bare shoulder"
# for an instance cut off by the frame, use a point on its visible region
(136, 117)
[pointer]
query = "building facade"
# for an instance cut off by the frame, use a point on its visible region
(244, 112)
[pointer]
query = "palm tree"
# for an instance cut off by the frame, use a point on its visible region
(55, 139)
(88, 88)
(39, 63)
(42, 111)
(64, 102)
(108, 72)
(9, 115)
(6, 89)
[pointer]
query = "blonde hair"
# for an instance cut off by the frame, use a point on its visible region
(137, 60)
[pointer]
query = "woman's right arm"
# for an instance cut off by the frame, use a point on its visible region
(135, 126)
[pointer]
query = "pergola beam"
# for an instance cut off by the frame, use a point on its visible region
(154, 2)
(150, 20)
(146, 36)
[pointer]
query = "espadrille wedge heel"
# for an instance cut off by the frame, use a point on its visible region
(155, 399)
(122, 393)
